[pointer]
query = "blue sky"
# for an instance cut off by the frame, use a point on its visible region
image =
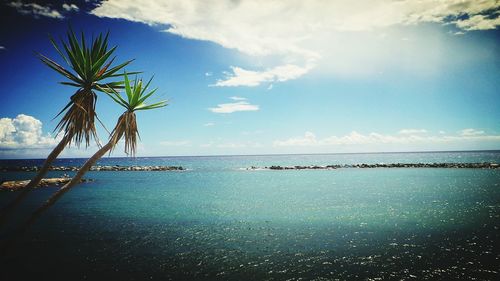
(259, 77)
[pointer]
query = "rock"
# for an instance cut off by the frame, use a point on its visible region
(95, 168)
(383, 165)
(14, 185)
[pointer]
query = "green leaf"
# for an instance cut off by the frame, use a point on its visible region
(97, 65)
(141, 100)
(118, 99)
(71, 84)
(115, 69)
(74, 62)
(52, 64)
(152, 106)
(149, 82)
(76, 50)
(128, 91)
(64, 109)
(137, 92)
(104, 44)
(121, 74)
(83, 43)
(58, 50)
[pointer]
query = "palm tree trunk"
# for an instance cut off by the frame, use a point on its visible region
(74, 181)
(53, 199)
(48, 162)
(35, 181)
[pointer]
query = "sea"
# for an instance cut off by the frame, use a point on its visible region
(216, 220)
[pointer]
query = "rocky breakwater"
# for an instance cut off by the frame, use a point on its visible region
(136, 168)
(93, 168)
(484, 165)
(14, 185)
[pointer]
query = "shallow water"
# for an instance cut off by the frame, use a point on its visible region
(218, 222)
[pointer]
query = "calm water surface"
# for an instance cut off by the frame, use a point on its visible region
(218, 222)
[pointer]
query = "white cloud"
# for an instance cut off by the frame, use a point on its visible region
(412, 131)
(478, 22)
(24, 132)
(355, 138)
(307, 140)
(471, 132)
(298, 36)
(6, 128)
(2, 48)
(261, 27)
(242, 77)
(209, 124)
(236, 98)
(36, 10)
(176, 143)
(234, 107)
(70, 7)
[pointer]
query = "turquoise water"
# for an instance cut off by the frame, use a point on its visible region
(216, 221)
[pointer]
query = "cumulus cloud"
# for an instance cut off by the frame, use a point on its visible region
(242, 77)
(24, 132)
(238, 98)
(36, 10)
(256, 27)
(471, 132)
(478, 22)
(240, 105)
(70, 7)
(355, 138)
(298, 34)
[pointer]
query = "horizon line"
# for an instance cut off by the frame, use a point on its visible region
(270, 154)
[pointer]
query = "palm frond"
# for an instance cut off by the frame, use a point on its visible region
(127, 125)
(115, 69)
(58, 68)
(136, 96)
(90, 63)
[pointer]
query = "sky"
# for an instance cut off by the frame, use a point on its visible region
(267, 77)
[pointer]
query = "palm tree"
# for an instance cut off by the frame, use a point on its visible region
(125, 127)
(90, 65)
